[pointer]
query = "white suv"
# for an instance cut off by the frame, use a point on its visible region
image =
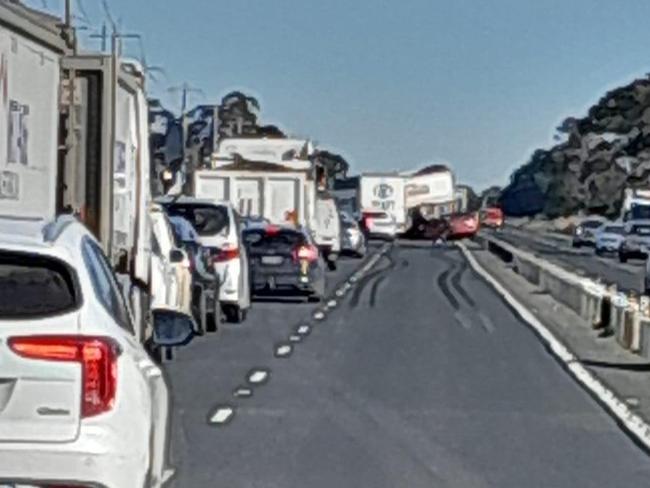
(219, 228)
(81, 402)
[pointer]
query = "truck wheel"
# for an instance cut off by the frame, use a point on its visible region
(234, 313)
(213, 318)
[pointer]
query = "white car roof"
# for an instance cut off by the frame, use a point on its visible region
(43, 237)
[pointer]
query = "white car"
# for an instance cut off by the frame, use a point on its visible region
(81, 402)
(219, 228)
(353, 241)
(171, 273)
(609, 238)
(378, 224)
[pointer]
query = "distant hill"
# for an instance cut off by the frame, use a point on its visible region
(605, 151)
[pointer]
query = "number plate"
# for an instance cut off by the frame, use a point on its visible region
(273, 260)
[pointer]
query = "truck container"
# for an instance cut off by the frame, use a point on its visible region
(432, 190)
(105, 177)
(282, 190)
(30, 58)
(385, 191)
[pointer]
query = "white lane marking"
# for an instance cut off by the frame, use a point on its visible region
(303, 330)
(243, 392)
(340, 292)
(319, 316)
(463, 320)
(283, 350)
(222, 415)
(614, 405)
(487, 322)
(258, 376)
(295, 338)
(332, 304)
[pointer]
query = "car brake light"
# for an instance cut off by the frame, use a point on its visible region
(98, 359)
(367, 221)
(307, 253)
(272, 230)
(226, 253)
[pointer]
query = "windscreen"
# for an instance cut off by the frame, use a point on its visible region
(207, 220)
(281, 242)
(34, 286)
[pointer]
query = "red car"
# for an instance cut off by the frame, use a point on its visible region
(492, 217)
(463, 225)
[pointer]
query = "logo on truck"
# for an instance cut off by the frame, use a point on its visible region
(383, 191)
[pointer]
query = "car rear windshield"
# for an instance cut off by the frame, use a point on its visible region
(34, 286)
(282, 241)
(207, 220)
(375, 215)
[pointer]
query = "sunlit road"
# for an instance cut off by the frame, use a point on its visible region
(421, 377)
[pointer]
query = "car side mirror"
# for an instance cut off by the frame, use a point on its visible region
(171, 328)
(176, 256)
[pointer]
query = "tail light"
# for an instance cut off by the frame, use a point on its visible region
(96, 355)
(367, 221)
(306, 253)
(226, 253)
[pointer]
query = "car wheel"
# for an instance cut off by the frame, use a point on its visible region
(599, 251)
(576, 244)
(622, 257)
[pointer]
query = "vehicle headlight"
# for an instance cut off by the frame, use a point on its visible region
(579, 231)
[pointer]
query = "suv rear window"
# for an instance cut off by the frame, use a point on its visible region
(33, 286)
(375, 215)
(207, 220)
(282, 241)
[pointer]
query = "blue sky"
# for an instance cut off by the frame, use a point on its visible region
(394, 85)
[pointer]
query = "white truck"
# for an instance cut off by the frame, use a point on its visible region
(282, 189)
(105, 177)
(386, 192)
(432, 191)
(636, 204)
(71, 144)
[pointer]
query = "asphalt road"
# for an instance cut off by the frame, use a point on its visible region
(584, 261)
(421, 377)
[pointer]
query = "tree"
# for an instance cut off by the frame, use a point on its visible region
(238, 115)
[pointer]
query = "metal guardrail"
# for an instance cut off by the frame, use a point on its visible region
(602, 306)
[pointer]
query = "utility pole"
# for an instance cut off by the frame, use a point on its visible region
(103, 36)
(186, 89)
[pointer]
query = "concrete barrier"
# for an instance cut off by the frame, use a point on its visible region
(628, 318)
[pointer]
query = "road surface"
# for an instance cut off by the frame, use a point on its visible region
(628, 276)
(421, 377)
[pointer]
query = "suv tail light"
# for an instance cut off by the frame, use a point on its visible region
(306, 253)
(226, 253)
(367, 221)
(98, 359)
